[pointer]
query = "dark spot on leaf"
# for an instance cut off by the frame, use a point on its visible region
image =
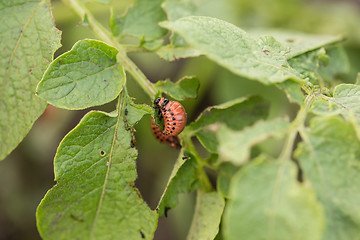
(266, 52)
(119, 21)
(290, 40)
(102, 153)
(105, 80)
(76, 218)
(132, 144)
(126, 112)
(166, 211)
(142, 234)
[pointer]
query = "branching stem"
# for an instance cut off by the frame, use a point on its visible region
(107, 37)
(296, 126)
(204, 180)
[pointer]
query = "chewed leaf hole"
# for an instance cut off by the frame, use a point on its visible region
(102, 153)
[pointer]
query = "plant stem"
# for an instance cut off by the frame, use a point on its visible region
(107, 37)
(204, 180)
(295, 127)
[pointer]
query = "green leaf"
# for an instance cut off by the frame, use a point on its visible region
(186, 87)
(28, 42)
(263, 59)
(134, 112)
(183, 179)
(152, 45)
(235, 146)
(309, 63)
(207, 216)
(345, 100)
(292, 90)
(338, 64)
(267, 202)
(298, 42)
(235, 114)
(88, 75)
(330, 158)
(141, 20)
(226, 173)
(171, 53)
(176, 9)
(95, 196)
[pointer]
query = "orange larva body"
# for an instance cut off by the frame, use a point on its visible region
(156, 131)
(174, 116)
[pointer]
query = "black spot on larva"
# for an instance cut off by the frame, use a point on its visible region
(171, 131)
(169, 110)
(173, 118)
(165, 102)
(171, 113)
(168, 123)
(142, 234)
(102, 153)
(174, 123)
(153, 128)
(157, 137)
(173, 128)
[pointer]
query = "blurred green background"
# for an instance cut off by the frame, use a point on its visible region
(27, 173)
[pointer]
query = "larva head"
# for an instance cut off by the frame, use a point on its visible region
(156, 101)
(161, 102)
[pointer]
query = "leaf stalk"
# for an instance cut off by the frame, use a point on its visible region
(107, 37)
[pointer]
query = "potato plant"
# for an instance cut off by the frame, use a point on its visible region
(308, 189)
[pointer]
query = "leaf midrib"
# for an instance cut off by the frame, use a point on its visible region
(93, 227)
